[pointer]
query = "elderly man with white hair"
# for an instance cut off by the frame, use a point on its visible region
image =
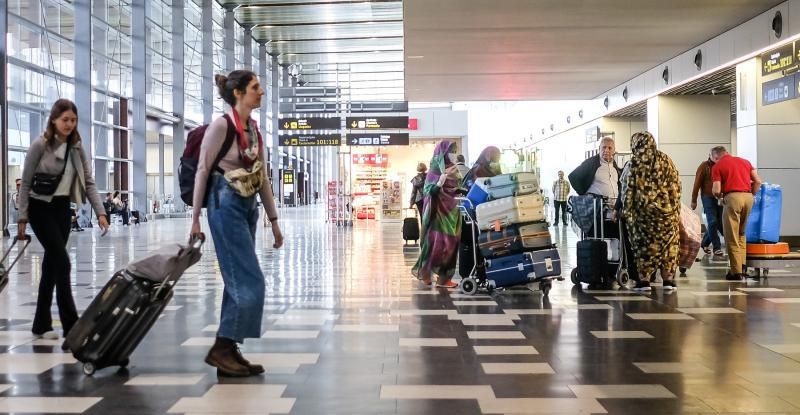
(598, 175)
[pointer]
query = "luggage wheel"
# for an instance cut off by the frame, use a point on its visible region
(490, 286)
(573, 276)
(623, 277)
(89, 369)
(468, 286)
(545, 287)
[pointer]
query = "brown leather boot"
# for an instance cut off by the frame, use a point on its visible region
(255, 369)
(223, 356)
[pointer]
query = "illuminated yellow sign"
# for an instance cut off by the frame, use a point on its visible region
(779, 59)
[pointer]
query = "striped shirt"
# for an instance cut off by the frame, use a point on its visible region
(561, 190)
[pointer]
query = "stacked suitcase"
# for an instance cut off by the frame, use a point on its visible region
(514, 237)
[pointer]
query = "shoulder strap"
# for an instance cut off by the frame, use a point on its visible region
(66, 157)
(226, 146)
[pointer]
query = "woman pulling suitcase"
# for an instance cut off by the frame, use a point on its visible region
(233, 217)
(56, 172)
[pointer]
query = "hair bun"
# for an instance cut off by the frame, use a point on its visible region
(220, 80)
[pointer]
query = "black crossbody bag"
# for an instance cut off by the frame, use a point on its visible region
(45, 184)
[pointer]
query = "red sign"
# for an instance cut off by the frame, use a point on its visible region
(413, 123)
(381, 160)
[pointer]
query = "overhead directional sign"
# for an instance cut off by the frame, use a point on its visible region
(376, 123)
(310, 140)
(333, 123)
(393, 139)
(778, 59)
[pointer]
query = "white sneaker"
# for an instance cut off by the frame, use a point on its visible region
(49, 335)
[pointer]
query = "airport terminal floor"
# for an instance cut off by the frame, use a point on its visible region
(347, 331)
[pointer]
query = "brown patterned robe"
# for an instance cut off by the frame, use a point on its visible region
(652, 207)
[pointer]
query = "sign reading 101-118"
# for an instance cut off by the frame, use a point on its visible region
(300, 124)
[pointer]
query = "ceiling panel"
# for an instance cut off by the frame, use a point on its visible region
(306, 14)
(551, 49)
(333, 46)
(359, 42)
(328, 31)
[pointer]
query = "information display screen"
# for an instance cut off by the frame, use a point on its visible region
(394, 139)
(778, 59)
(310, 140)
(333, 123)
(376, 123)
(779, 90)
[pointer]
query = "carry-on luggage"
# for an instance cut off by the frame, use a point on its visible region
(129, 304)
(5, 270)
(411, 227)
(764, 222)
(511, 210)
(515, 239)
(501, 186)
(592, 261)
(524, 268)
(690, 238)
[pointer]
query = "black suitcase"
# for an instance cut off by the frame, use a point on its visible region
(121, 315)
(411, 228)
(592, 262)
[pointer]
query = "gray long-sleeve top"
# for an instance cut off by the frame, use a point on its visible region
(42, 158)
(211, 146)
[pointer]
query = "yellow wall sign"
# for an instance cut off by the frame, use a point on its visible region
(779, 59)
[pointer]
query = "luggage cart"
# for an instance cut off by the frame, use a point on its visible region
(477, 278)
(761, 264)
(621, 274)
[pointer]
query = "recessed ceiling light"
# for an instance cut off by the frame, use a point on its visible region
(415, 56)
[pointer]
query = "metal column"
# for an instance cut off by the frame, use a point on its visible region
(139, 83)
(275, 102)
(4, 117)
(229, 41)
(83, 69)
(207, 68)
(178, 104)
(266, 104)
(248, 47)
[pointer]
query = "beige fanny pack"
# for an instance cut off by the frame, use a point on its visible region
(245, 182)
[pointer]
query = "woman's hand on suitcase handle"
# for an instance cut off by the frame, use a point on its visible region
(102, 222)
(21, 227)
(196, 232)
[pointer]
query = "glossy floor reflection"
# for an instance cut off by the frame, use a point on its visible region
(347, 331)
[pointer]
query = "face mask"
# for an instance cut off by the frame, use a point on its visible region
(452, 157)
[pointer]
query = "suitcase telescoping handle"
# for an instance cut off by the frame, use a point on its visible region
(27, 240)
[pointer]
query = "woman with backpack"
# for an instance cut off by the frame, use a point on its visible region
(56, 172)
(231, 187)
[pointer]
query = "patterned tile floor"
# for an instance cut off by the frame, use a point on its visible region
(346, 331)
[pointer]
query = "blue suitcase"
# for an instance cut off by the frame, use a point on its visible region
(507, 185)
(523, 268)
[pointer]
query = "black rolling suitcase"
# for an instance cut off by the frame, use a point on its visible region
(3, 269)
(592, 261)
(128, 306)
(411, 228)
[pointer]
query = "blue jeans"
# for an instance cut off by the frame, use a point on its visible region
(711, 210)
(233, 219)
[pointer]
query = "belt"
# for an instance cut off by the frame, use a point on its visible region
(738, 191)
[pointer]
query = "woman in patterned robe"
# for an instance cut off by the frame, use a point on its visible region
(652, 208)
(441, 219)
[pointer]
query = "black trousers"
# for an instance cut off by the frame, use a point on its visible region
(560, 206)
(50, 223)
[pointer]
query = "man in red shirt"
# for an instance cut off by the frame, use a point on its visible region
(737, 181)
